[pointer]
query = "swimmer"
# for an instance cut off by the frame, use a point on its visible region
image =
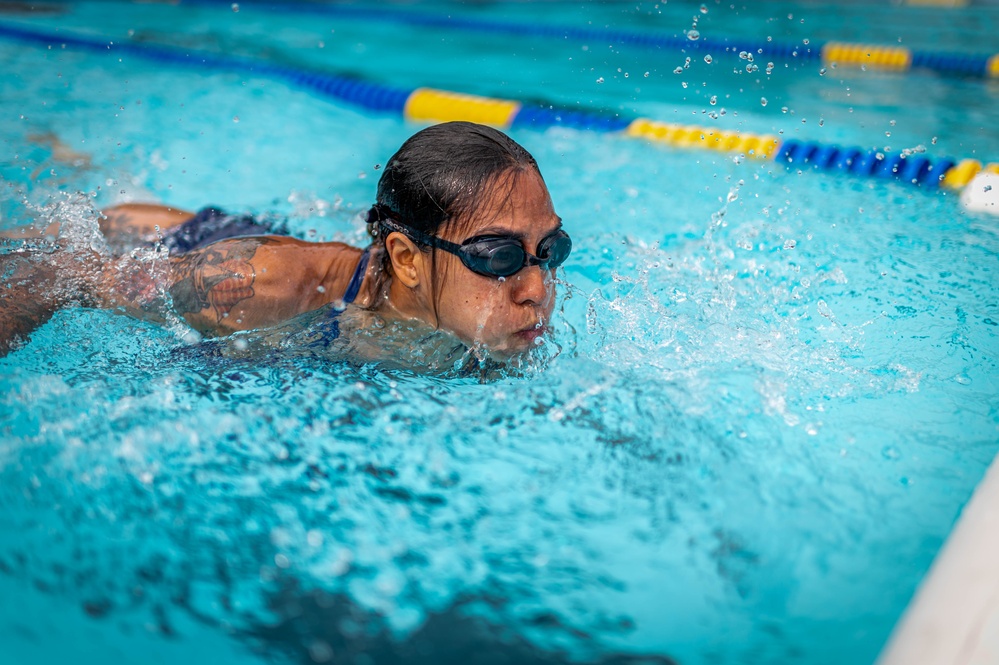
(465, 241)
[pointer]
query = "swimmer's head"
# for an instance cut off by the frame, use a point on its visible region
(470, 234)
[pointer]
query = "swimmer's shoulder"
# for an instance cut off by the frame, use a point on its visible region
(323, 270)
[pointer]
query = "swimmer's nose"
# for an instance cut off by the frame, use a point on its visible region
(531, 286)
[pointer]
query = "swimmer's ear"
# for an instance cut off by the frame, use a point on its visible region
(407, 259)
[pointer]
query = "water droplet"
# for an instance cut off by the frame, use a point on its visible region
(822, 307)
(783, 109)
(805, 42)
(713, 100)
(693, 35)
(646, 75)
(890, 453)
(763, 101)
(678, 70)
(235, 7)
(887, 133)
(822, 72)
(789, 244)
(821, 122)
(704, 9)
(707, 59)
(963, 379)
(684, 84)
(235, 118)
(600, 80)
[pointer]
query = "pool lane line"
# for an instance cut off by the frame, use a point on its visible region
(432, 105)
(831, 54)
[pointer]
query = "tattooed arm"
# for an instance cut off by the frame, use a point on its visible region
(236, 284)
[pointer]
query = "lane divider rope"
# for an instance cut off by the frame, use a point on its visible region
(432, 105)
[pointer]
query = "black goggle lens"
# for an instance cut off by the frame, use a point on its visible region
(554, 249)
(503, 257)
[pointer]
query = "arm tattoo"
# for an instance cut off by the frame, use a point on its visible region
(217, 277)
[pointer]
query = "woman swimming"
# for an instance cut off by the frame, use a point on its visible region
(466, 241)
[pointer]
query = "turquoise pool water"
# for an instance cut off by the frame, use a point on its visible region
(773, 394)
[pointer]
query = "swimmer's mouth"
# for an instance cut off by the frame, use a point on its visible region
(531, 333)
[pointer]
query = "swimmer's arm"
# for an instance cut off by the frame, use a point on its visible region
(22, 307)
(33, 287)
(238, 284)
(139, 223)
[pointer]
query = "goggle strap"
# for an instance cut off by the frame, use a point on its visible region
(420, 237)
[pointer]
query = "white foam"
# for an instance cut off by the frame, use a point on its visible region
(982, 193)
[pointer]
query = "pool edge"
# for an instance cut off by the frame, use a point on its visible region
(954, 615)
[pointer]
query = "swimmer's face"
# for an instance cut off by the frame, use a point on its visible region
(505, 315)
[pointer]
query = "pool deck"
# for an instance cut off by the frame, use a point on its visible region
(954, 617)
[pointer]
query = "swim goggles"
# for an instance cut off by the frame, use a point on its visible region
(494, 256)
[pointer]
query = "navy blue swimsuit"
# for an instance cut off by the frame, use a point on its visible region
(213, 224)
(330, 327)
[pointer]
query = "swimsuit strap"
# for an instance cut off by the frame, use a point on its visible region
(330, 327)
(355, 281)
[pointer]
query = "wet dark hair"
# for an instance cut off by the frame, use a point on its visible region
(442, 173)
(439, 177)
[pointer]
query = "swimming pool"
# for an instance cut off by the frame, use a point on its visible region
(772, 391)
